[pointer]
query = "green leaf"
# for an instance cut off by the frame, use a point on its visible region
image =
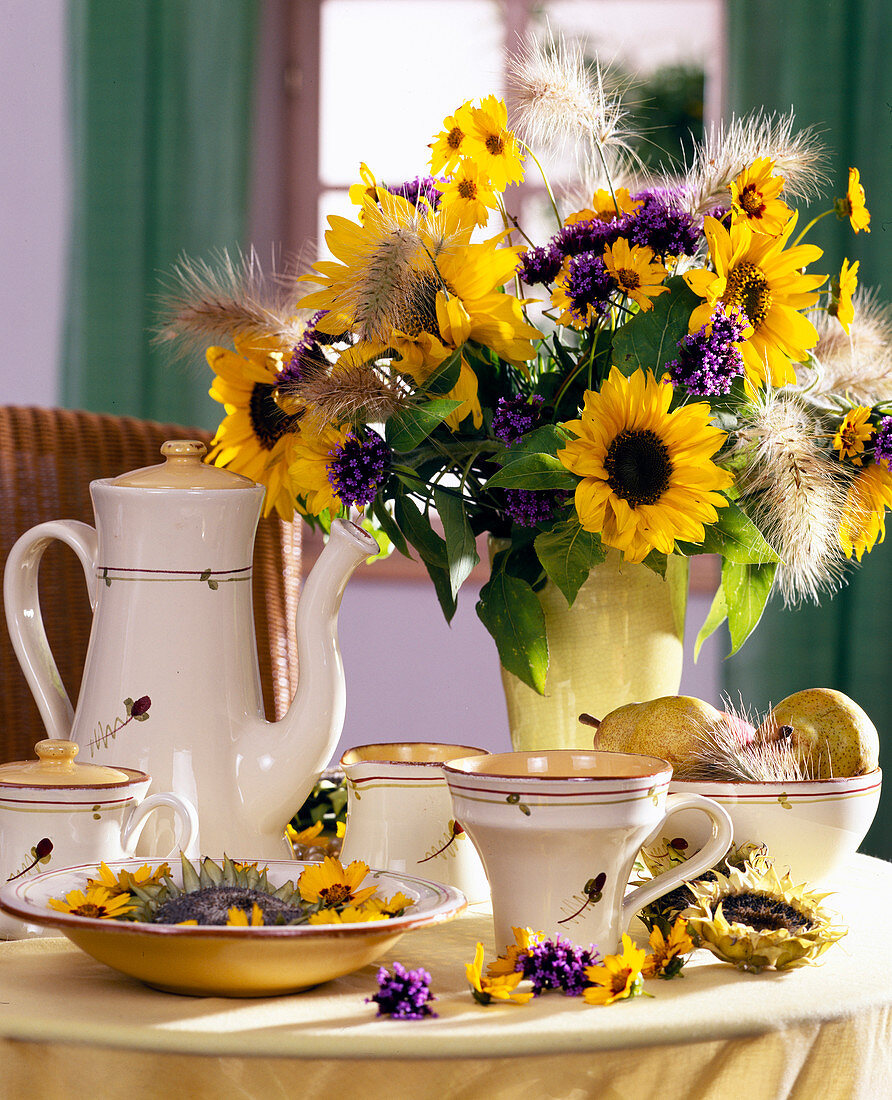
(443, 588)
(386, 522)
(746, 589)
(533, 471)
(545, 440)
(461, 548)
(568, 554)
(735, 537)
(718, 612)
(409, 427)
(445, 377)
(657, 562)
(511, 612)
(417, 529)
(650, 340)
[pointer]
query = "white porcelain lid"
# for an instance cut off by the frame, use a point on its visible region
(183, 468)
(56, 767)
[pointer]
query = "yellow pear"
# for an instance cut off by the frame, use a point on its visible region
(670, 727)
(831, 735)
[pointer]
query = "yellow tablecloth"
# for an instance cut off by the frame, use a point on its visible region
(71, 1027)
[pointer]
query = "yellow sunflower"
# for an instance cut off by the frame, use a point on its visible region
(853, 205)
(754, 198)
(501, 987)
(863, 522)
(309, 454)
(122, 882)
(635, 272)
(852, 434)
(239, 918)
(97, 901)
(334, 885)
(468, 190)
(647, 474)
(366, 192)
(253, 437)
(618, 978)
(843, 288)
(350, 914)
(451, 143)
(492, 145)
(754, 273)
(603, 208)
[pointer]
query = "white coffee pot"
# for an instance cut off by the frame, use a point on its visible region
(171, 683)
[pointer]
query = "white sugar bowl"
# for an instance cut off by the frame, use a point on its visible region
(55, 812)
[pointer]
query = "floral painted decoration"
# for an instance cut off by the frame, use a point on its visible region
(665, 371)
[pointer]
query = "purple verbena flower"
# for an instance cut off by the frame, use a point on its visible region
(588, 284)
(882, 442)
(558, 964)
(662, 225)
(529, 507)
(708, 361)
(540, 264)
(516, 415)
(358, 467)
(307, 354)
(404, 995)
(592, 235)
(420, 187)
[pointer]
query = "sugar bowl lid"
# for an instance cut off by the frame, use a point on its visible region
(56, 767)
(183, 468)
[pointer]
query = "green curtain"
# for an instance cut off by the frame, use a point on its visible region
(161, 95)
(829, 61)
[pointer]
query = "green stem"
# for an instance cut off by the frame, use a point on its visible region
(817, 218)
(551, 197)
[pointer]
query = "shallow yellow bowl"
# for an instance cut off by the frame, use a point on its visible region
(212, 961)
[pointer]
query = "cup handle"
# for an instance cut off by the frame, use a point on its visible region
(184, 811)
(709, 855)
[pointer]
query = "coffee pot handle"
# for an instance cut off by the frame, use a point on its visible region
(712, 852)
(25, 623)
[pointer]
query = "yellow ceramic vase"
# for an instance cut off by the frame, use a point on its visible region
(621, 642)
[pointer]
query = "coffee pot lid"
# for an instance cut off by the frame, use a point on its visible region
(183, 468)
(56, 767)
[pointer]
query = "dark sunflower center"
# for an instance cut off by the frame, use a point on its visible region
(628, 279)
(467, 189)
(618, 982)
(764, 913)
(419, 313)
(455, 137)
(638, 467)
(747, 289)
(336, 894)
(495, 145)
(268, 421)
(88, 909)
(751, 201)
(211, 905)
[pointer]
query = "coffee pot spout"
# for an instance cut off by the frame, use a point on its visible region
(278, 763)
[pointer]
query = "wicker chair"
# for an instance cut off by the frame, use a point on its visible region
(48, 457)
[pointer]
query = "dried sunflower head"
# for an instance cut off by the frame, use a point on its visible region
(755, 918)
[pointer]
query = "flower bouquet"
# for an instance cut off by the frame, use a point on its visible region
(662, 375)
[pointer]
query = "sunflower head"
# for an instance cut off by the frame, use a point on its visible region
(757, 919)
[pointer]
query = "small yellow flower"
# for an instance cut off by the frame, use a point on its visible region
(468, 190)
(853, 205)
(853, 433)
(451, 143)
(309, 456)
(635, 272)
(350, 914)
(603, 208)
(500, 988)
(618, 978)
(524, 940)
(754, 198)
(667, 953)
(492, 145)
(334, 885)
(238, 918)
(863, 522)
(300, 839)
(122, 882)
(365, 193)
(389, 907)
(842, 289)
(98, 901)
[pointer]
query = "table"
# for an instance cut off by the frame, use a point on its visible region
(70, 1026)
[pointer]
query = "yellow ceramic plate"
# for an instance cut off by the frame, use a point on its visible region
(216, 961)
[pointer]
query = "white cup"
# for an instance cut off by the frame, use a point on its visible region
(400, 818)
(558, 832)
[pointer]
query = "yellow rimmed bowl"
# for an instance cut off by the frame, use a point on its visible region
(213, 961)
(811, 827)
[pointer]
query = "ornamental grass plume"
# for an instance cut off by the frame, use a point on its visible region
(795, 491)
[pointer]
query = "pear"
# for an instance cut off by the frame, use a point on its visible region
(828, 733)
(670, 728)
